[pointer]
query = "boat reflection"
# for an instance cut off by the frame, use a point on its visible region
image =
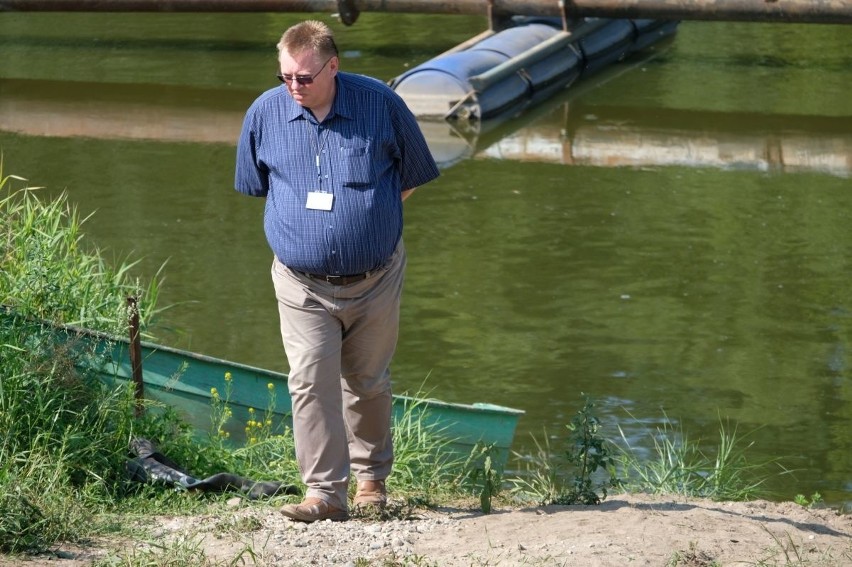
(561, 130)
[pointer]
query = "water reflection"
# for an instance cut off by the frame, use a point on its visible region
(560, 131)
(119, 111)
(574, 135)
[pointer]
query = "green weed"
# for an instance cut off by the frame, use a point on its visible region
(805, 502)
(574, 477)
(483, 475)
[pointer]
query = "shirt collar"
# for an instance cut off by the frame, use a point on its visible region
(342, 106)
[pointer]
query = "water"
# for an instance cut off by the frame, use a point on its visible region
(671, 238)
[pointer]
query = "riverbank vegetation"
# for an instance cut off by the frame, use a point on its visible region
(64, 451)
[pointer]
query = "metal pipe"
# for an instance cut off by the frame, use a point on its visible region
(789, 11)
(798, 11)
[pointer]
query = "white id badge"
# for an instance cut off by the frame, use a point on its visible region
(319, 201)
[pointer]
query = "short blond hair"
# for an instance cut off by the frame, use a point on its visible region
(310, 35)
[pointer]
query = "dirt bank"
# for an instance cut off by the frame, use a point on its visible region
(624, 530)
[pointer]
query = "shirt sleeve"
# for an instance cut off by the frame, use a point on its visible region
(251, 176)
(417, 165)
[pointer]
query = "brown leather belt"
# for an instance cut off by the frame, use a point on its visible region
(337, 280)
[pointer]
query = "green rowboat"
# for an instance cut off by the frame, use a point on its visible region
(187, 381)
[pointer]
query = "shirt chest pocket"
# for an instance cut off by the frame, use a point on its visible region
(355, 165)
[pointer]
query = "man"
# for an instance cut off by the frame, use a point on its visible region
(335, 154)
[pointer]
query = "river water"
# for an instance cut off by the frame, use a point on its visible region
(671, 238)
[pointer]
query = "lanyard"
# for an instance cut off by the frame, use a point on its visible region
(318, 145)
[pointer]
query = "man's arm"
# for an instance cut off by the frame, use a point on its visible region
(406, 193)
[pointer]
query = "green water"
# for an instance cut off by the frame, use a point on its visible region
(671, 238)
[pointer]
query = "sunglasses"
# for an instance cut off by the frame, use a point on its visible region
(302, 79)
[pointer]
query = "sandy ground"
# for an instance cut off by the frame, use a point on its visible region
(625, 530)
(635, 530)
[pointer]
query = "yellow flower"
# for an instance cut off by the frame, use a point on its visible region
(214, 392)
(251, 410)
(268, 422)
(227, 376)
(271, 386)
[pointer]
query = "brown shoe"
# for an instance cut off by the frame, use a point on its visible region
(371, 493)
(314, 510)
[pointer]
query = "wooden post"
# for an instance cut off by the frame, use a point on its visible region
(791, 11)
(136, 355)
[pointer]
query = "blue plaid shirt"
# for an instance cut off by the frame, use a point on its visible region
(370, 149)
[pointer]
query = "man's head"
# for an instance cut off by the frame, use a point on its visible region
(308, 62)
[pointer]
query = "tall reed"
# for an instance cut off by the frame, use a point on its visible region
(679, 465)
(65, 435)
(50, 272)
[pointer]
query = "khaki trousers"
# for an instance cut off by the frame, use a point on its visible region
(339, 341)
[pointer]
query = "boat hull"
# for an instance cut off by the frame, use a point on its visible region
(187, 381)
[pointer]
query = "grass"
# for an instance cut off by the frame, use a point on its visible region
(424, 466)
(184, 550)
(678, 465)
(693, 557)
(65, 435)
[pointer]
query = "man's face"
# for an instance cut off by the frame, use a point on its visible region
(308, 77)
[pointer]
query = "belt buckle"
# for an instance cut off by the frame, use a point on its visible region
(338, 280)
